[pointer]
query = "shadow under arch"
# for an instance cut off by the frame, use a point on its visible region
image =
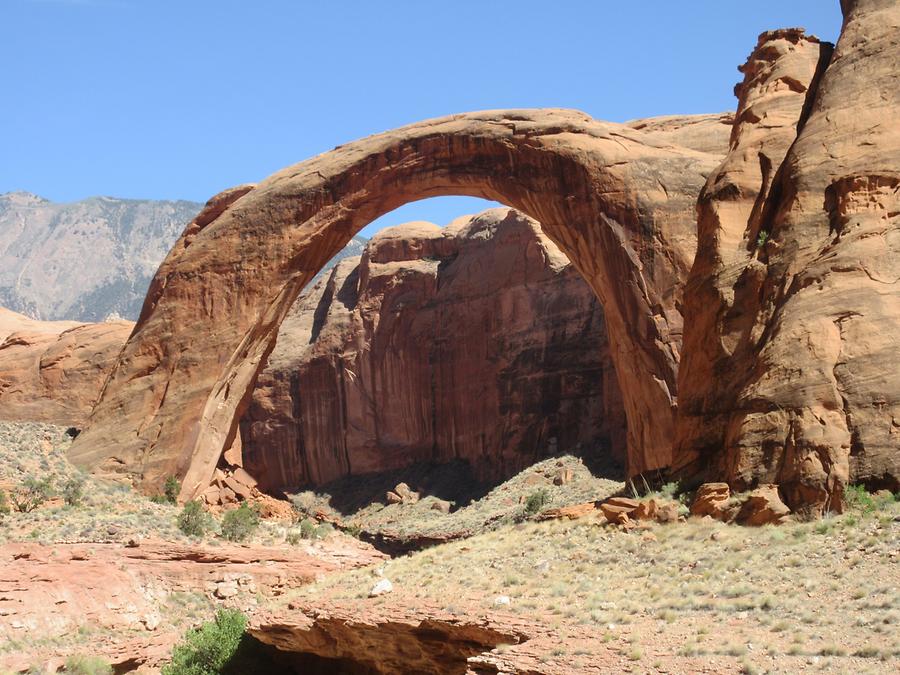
(617, 201)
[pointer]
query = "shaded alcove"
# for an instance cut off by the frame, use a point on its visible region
(450, 366)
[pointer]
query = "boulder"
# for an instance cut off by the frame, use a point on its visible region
(441, 505)
(763, 506)
(382, 587)
(572, 512)
(563, 476)
(667, 512)
(619, 509)
(713, 500)
(647, 509)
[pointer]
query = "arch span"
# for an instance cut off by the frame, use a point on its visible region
(617, 200)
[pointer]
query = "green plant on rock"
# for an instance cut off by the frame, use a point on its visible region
(209, 649)
(536, 501)
(73, 491)
(171, 488)
(4, 504)
(193, 520)
(32, 494)
(88, 665)
(762, 238)
(857, 498)
(240, 523)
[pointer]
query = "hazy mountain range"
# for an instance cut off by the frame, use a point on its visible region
(91, 259)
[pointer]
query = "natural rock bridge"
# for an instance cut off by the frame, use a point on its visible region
(767, 394)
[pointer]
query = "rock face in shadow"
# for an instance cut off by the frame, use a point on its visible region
(54, 371)
(791, 373)
(478, 341)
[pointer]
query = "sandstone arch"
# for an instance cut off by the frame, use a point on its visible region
(617, 200)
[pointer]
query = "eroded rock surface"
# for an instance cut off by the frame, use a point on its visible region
(790, 373)
(53, 371)
(130, 591)
(478, 341)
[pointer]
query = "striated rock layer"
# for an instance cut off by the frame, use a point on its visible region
(478, 341)
(791, 372)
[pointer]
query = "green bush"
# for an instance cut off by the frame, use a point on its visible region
(88, 665)
(73, 491)
(171, 488)
(240, 523)
(4, 504)
(536, 501)
(323, 530)
(857, 498)
(32, 494)
(308, 528)
(193, 520)
(207, 650)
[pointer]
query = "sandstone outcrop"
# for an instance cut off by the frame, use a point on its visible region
(385, 640)
(478, 341)
(618, 202)
(793, 307)
(54, 371)
(47, 592)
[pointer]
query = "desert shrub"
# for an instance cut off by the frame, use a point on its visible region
(171, 488)
(207, 650)
(88, 665)
(293, 537)
(857, 498)
(536, 501)
(240, 523)
(4, 504)
(193, 520)
(308, 528)
(73, 491)
(305, 503)
(159, 499)
(32, 494)
(323, 530)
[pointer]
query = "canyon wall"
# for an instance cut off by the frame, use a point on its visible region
(478, 341)
(791, 372)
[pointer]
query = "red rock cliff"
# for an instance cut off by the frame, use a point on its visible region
(477, 341)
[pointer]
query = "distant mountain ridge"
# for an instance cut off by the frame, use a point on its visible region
(91, 259)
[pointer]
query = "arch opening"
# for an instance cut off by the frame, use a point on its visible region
(618, 202)
(469, 351)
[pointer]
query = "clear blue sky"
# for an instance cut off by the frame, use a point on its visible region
(178, 99)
